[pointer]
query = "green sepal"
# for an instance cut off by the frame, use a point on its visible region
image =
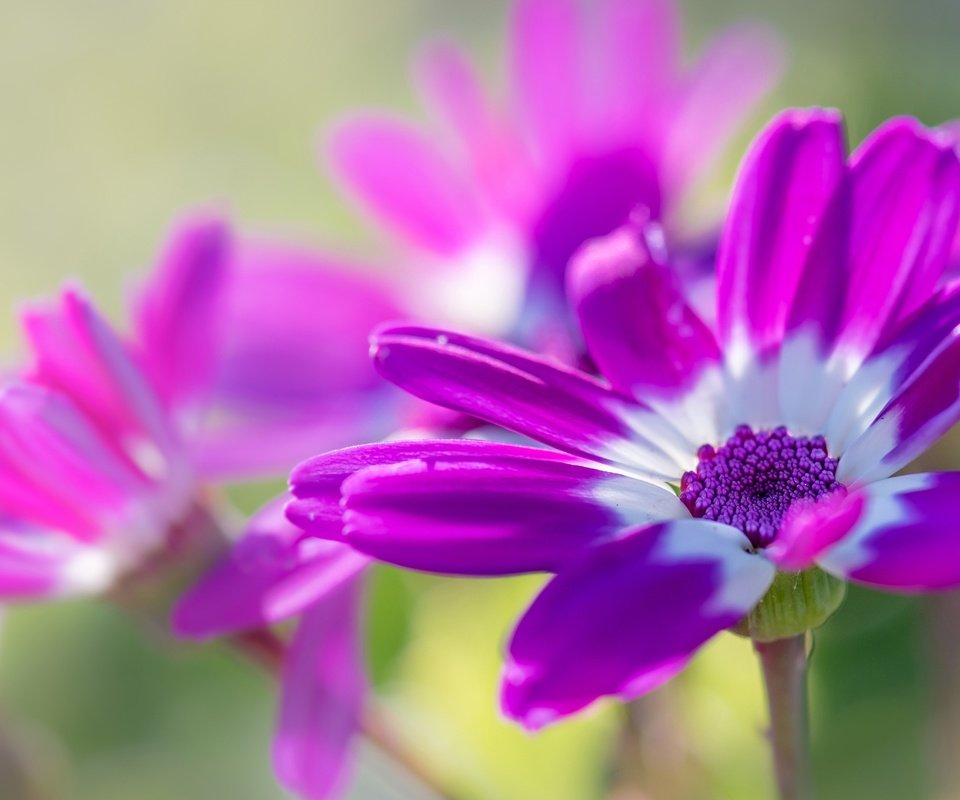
(796, 602)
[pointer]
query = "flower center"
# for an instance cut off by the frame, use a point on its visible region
(751, 480)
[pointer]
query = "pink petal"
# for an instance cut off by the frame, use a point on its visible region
(322, 695)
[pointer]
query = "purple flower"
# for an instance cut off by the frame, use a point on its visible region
(602, 119)
(244, 356)
(670, 495)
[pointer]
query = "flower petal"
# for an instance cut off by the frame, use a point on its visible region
(399, 175)
(919, 414)
(176, 315)
(77, 352)
(292, 374)
(271, 573)
(739, 67)
(810, 528)
(641, 332)
(322, 693)
(530, 395)
(876, 258)
(506, 510)
(903, 539)
(784, 185)
(628, 615)
(547, 59)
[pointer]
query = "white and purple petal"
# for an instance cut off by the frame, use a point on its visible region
(905, 536)
(505, 510)
(644, 337)
(530, 395)
(785, 184)
(628, 615)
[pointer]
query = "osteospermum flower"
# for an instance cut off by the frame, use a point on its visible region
(715, 479)
(110, 447)
(601, 118)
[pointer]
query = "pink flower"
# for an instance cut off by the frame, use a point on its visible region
(601, 119)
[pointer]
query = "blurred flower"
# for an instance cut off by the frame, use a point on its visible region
(709, 462)
(244, 357)
(275, 572)
(602, 119)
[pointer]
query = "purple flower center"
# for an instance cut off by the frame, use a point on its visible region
(752, 479)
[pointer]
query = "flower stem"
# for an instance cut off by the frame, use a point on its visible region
(784, 664)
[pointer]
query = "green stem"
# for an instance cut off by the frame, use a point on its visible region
(784, 663)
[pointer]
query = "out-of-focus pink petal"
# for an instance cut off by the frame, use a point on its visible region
(271, 573)
(810, 528)
(293, 376)
(547, 68)
(323, 689)
(737, 70)
(75, 351)
(177, 313)
(400, 176)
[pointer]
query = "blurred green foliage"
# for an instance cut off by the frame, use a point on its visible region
(119, 114)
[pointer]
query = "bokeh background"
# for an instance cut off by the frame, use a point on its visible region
(116, 116)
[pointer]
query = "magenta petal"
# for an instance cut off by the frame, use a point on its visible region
(786, 180)
(628, 615)
(322, 694)
(293, 376)
(270, 574)
(530, 395)
(904, 539)
(738, 68)
(547, 59)
(639, 329)
(503, 510)
(177, 313)
(810, 528)
(76, 351)
(918, 415)
(400, 175)
(316, 482)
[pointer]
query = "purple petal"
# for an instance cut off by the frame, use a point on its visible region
(628, 615)
(547, 58)
(897, 358)
(638, 44)
(292, 374)
(529, 395)
(918, 415)
(878, 256)
(177, 314)
(642, 334)
(503, 510)
(399, 175)
(322, 694)
(316, 482)
(270, 574)
(787, 179)
(739, 67)
(904, 538)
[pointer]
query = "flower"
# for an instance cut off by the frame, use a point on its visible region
(709, 465)
(110, 445)
(602, 120)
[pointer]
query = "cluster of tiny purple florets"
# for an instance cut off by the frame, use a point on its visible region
(751, 480)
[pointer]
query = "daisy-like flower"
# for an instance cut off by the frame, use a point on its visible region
(498, 195)
(724, 478)
(111, 447)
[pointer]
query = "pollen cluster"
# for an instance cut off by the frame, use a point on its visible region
(752, 479)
